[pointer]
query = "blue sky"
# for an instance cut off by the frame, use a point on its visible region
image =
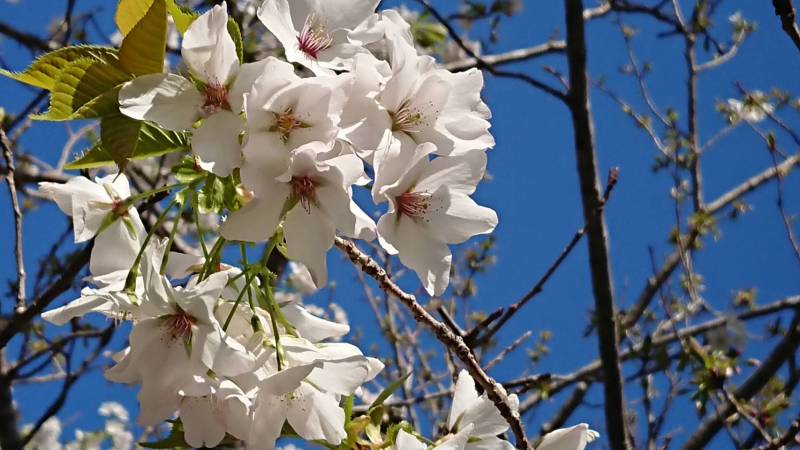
(534, 189)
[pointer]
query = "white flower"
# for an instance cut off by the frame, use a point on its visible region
(480, 414)
(285, 112)
(47, 438)
(316, 193)
(755, 108)
(420, 103)
(176, 103)
(315, 33)
(573, 438)
(113, 410)
(121, 438)
(306, 394)
(172, 350)
(429, 208)
(98, 210)
(107, 300)
(206, 419)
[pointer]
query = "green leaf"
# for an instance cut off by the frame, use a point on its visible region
(181, 15)
(144, 46)
(211, 195)
(46, 69)
(236, 35)
(395, 385)
(152, 142)
(187, 170)
(86, 88)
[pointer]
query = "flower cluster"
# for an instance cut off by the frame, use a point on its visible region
(354, 106)
(299, 145)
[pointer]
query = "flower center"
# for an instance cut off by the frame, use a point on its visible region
(407, 118)
(413, 204)
(313, 38)
(215, 97)
(286, 123)
(118, 208)
(179, 325)
(304, 191)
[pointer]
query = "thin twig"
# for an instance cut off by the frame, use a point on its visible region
(8, 155)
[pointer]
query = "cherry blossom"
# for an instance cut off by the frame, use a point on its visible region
(176, 102)
(99, 210)
(316, 201)
(315, 33)
(429, 208)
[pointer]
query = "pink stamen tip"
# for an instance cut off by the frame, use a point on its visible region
(304, 190)
(413, 204)
(313, 38)
(215, 98)
(179, 325)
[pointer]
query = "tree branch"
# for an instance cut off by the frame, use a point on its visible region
(786, 12)
(453, 342)
(579, 105)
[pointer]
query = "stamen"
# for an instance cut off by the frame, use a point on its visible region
(413, 204)
(408, 119)
(179, 325)
(304, 191)
(118, 208)
(286, 123)
(313, 38)
(216, 99)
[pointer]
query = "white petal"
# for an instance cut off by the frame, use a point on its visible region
(406, 441)
(309, 236)
(115, 249)
(88, 302)
(457, 442)
(268, 419)
(315, 415)
(216, 142)
(169, 100)
(312, 327)
(464, 396)
(460, 173)
(418, 250)
(208, 50)
(286, 380)
(265, 158)
(221, 353)
(255, 222)
(572, 438)
(488, 443)
(201, 426)
(460, 218)
(246, 78)
(62, 194)
(342, 376)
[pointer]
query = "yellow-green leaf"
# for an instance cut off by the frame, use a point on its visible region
(236, 35)
(85, 89)
(46, 69)
(119, 135)
(144, 46)
(181, 15)
(123, 139)
(129, 13)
